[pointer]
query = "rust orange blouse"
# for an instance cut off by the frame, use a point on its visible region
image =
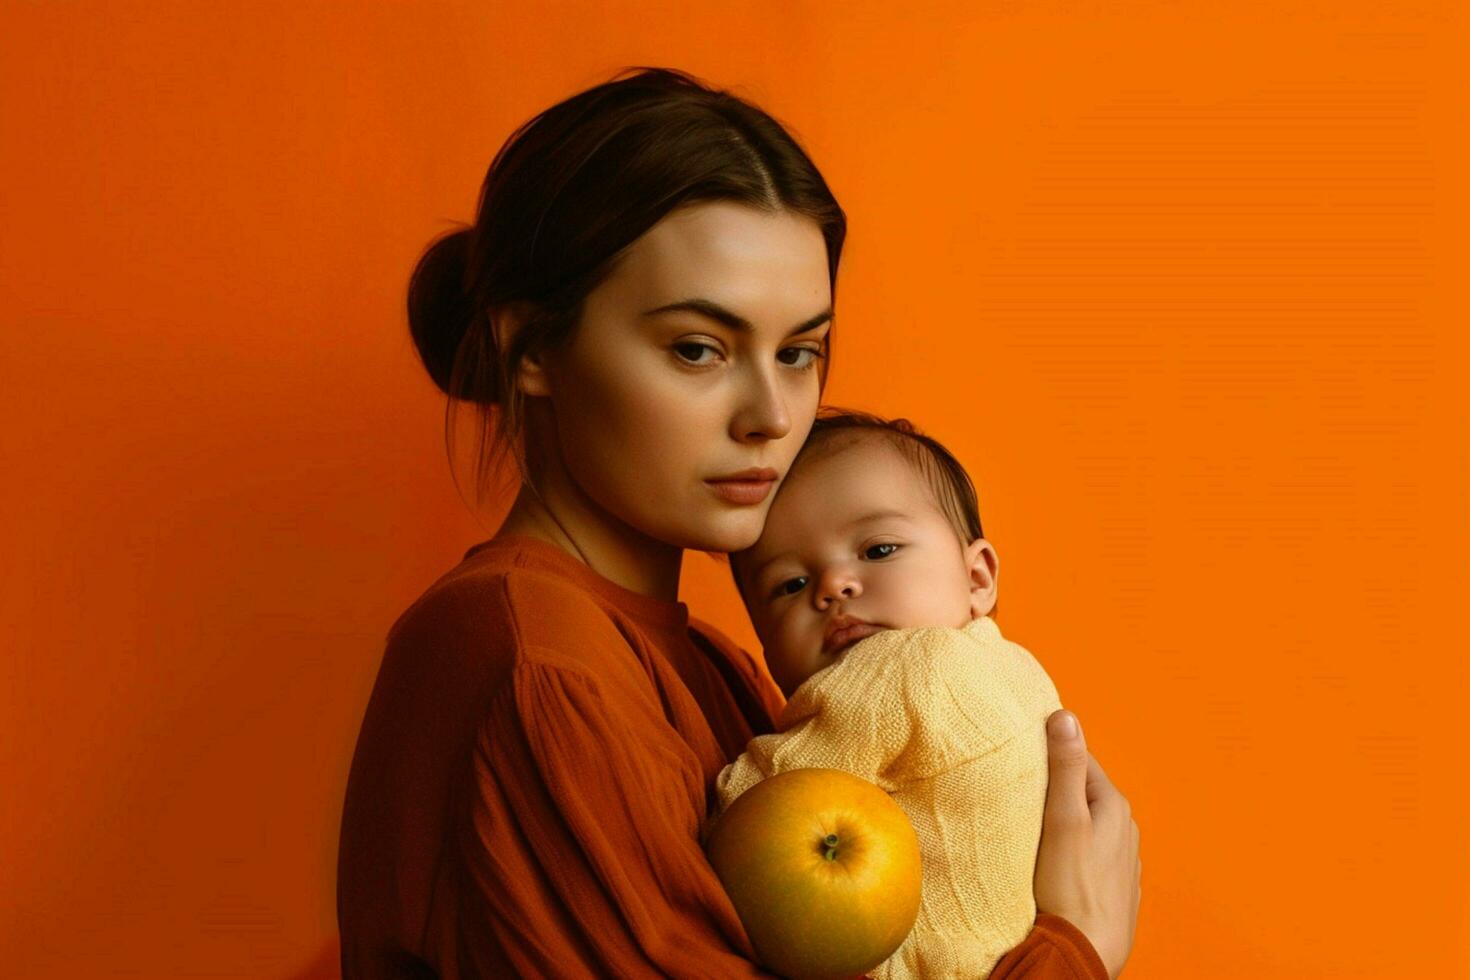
(531, 778)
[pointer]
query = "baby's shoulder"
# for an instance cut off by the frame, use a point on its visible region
(930, 662)
(925, 648)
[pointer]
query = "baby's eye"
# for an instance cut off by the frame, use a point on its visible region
(876, 551)
(789, 587)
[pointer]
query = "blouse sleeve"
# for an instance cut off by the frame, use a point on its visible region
(1054, 950)
(579, 843)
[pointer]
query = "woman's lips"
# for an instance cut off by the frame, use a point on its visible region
(742, 492)
(848, 635)
(746, 487)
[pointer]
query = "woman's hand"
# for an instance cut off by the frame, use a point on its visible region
(1087, 867)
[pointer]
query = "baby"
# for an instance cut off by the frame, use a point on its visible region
(870, 589)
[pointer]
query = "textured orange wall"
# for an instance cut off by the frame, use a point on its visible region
(1178, 281)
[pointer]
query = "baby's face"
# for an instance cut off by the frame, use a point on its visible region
(855, 543)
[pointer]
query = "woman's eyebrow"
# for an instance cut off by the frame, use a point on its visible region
(713, 310)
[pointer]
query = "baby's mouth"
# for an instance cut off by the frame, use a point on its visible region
(847, 634)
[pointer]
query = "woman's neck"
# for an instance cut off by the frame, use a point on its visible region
(559, 513)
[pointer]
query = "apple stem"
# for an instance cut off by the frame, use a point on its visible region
(831, 841)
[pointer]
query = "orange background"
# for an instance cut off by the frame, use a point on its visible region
(1177, 281)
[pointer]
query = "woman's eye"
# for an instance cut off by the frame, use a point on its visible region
(691, 352)
(876, 551)
(799, 357)
(789, 587)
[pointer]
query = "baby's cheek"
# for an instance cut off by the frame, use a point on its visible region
(788, 662)
(944, 604)
(781, 650)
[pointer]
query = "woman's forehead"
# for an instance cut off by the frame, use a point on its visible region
(753, 262)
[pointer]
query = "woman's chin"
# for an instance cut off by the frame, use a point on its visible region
(726, 532)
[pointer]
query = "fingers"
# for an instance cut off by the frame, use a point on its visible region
(1064, 736)
(1099, 786)
(1137, 874)
(1067, 766)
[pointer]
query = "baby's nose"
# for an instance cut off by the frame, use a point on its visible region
(837, 586)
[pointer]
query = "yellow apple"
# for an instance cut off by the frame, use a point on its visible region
(823, 868)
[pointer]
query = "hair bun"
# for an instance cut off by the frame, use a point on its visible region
(440, 306)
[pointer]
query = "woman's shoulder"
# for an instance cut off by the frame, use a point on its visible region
(500, 602)
(498, 581)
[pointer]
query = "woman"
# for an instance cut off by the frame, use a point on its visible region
(643, 311)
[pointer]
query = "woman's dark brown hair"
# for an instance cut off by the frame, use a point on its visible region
(570, 190)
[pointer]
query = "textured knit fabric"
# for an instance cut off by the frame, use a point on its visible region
(952, 724)
(532, 777)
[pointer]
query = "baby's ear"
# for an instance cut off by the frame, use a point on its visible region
(984, 566)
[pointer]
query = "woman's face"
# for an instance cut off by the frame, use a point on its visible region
(695, 361)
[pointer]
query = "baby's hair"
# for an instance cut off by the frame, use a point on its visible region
(951, 485)
(836, 428)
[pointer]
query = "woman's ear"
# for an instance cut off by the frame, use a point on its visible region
(984, 566)
(506, 322)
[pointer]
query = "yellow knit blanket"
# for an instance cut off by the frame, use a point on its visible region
(952, 724)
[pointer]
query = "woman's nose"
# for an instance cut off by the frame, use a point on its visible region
(836, 585)
(762, 414)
